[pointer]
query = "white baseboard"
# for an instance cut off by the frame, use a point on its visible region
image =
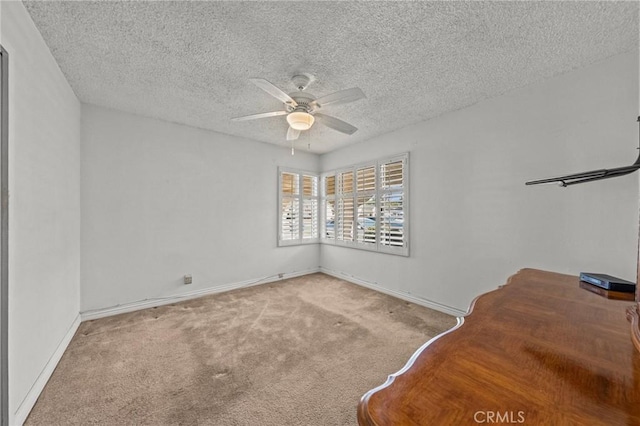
(400, 295)
(29, 401)
(151, 303)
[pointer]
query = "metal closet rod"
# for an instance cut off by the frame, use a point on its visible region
(592, 175)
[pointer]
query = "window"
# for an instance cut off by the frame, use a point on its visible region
(299, 201)
(366, 206)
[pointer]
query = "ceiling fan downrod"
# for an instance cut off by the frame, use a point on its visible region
(302, 81)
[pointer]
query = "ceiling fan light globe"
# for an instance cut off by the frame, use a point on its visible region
(300, 120)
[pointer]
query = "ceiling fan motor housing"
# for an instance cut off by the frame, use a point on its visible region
(303, 99)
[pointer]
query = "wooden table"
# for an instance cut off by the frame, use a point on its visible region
(537, 351)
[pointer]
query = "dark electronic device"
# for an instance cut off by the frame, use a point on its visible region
(608, 282)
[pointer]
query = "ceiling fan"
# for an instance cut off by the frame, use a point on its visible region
(301, 108)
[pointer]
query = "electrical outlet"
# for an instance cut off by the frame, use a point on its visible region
(280, 275)
(188, 279)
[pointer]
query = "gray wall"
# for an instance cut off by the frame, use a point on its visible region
(161, 200)
(473, 221)
(44, 223)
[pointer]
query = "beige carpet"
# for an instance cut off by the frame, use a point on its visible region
(297, 352)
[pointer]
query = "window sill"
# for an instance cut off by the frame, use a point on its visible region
(397, 251)
(288, 243)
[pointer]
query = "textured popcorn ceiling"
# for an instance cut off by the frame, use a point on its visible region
(189, 62)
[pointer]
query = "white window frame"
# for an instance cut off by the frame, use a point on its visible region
(378, 192)
(301, 197)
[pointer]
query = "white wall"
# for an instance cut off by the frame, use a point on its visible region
(161, 200)
(473, 221)
(44, 203)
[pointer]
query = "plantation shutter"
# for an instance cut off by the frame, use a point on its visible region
(392, 207)
(344, 213)
(309, 207)
(329, 207)
(366, 206)
(290, 207)
(299, 201)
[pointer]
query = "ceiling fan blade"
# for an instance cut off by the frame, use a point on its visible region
(273, 90)
(336, 124)
(292, 134)
(340, 97)
(261, 115)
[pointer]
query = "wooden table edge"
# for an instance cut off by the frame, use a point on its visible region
(364, 416)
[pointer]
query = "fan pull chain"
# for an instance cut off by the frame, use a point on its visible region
(293, 151)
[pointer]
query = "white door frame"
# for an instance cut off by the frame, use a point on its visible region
(4, 237)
